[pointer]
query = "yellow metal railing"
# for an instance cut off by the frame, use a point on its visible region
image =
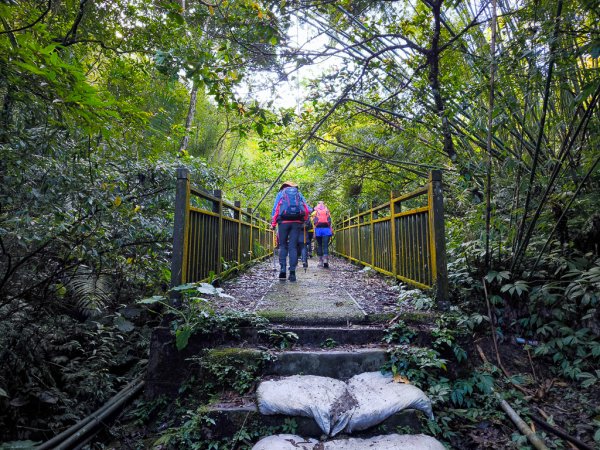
(211, 235)
(408, 244)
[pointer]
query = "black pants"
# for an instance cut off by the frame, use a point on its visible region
(323, 245)
(288, 243)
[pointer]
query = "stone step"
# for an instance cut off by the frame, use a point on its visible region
(321, 336)
(307, 318)
(230, 419)
(347, 335)
(339, 364)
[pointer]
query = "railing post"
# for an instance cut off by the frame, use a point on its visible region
(251, 247)
(437, 237)
(238, 216)
(340, 241)
(359, 259)
(393, 235)
(218, 208)
(372, 229)
(350, 237)
(259, 229)
(180, 229)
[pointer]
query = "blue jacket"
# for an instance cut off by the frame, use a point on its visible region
(275, 211)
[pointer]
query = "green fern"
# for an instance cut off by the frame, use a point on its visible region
(91, 291)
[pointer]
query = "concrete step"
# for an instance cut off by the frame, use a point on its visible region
(307, 318)
(319, 336)
(230, 419)
(340, 364)
(316, 336)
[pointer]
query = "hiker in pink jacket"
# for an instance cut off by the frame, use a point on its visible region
(323, 232)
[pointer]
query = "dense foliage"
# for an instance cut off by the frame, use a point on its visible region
(101, 101)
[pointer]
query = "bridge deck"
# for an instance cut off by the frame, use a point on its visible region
(342, 293)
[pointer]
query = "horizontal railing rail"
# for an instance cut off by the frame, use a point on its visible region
(403, 238)
(211, 235)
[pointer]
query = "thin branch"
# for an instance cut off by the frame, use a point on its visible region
(38, 20)
(472, 24)
(562, 216)
(72, 33)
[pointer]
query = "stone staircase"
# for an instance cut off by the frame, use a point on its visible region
(357, 351)
(340, 343)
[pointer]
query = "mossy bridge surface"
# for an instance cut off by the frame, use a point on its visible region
(329, 325)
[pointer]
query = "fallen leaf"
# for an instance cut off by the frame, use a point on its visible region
(401, 379)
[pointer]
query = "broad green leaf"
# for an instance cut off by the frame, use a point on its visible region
(123, 324)
(182, 336)
(152, 300)
(184, 287)
(206, 288)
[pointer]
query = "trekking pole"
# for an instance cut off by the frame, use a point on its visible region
(304, 250)
(275, 249)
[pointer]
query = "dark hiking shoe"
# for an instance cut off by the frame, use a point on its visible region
(292, 276)
(325, 265)
(282, 275)
(305, 265)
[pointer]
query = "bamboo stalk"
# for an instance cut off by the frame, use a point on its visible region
(97, 420)
(560, 433)
(532, 437)
(488, 178)
(521, 247)
(125, 393)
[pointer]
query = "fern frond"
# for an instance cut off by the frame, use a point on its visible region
(91, 291)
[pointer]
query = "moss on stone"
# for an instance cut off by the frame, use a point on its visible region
(242, 355)
(380, 317)
(425, 317)
(273, 315)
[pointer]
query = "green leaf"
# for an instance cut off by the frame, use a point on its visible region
(176, 17)
(182, 336)
(3, 393)
(208, 289)
(586, 91)
(30, 68)
(152, 300)
(124, 325)
(184, 287)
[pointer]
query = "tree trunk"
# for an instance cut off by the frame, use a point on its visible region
(190, 119)
(433, 60)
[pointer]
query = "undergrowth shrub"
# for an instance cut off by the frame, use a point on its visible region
(459, 396)
(56, 369)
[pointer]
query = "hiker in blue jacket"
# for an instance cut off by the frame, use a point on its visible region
(290, 210)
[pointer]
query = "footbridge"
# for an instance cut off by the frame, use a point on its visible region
(327, 369)
(402, 238)
(264, 363)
